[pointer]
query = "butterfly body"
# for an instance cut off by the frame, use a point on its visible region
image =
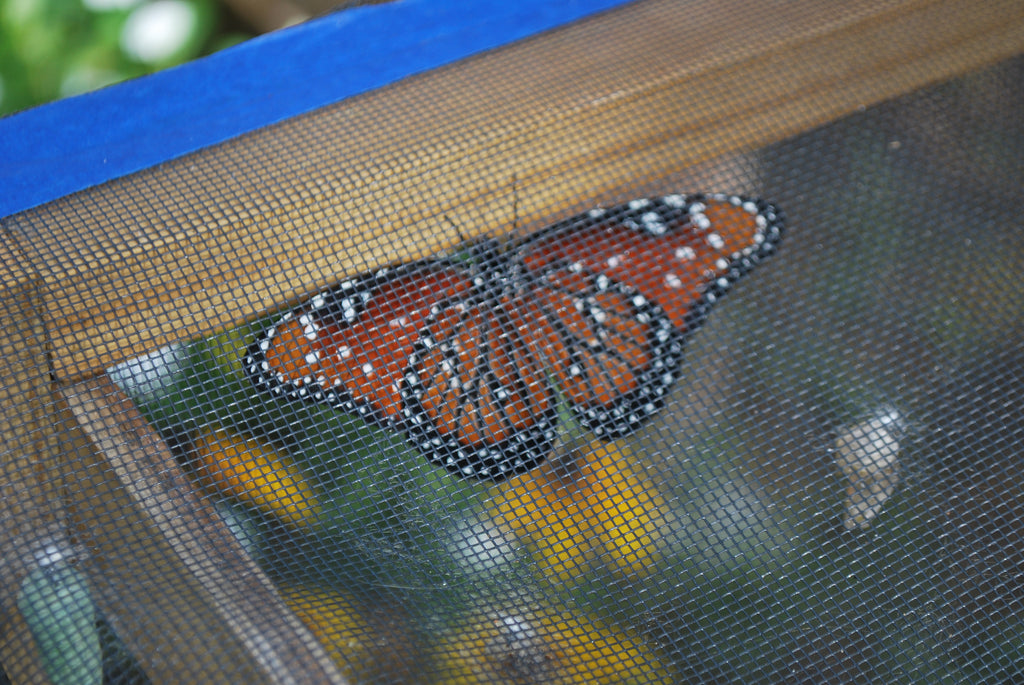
(471, 357)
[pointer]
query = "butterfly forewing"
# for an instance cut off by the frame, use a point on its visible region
(671, 249)
(348, 346)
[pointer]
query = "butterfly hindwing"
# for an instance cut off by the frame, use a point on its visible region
(476, 397)
(612, 353)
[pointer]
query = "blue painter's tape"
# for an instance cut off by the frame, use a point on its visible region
(56, 149)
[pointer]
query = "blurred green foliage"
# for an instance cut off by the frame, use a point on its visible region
(50, 49)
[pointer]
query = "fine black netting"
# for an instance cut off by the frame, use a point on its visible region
(818, 479)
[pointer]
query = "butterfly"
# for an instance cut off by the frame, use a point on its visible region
(472, 355)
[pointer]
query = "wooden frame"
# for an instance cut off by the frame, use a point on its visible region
(762, 72)
(768, 73)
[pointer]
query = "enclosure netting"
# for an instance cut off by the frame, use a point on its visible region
(828, 490)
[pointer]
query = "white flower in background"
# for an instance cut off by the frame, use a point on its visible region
(146, 378)
(480, 545)
(868, 454)
(154, 32)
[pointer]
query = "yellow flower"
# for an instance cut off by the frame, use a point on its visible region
(363, 651)
(592, 504)
(544, 646)
(254, 473)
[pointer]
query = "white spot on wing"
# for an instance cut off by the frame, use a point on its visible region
(653, 223)
(685, 254)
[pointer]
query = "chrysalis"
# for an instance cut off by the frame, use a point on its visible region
(868, 454)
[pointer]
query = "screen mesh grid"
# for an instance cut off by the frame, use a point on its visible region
(507, 458)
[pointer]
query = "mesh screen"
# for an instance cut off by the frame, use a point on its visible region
(818, 479)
